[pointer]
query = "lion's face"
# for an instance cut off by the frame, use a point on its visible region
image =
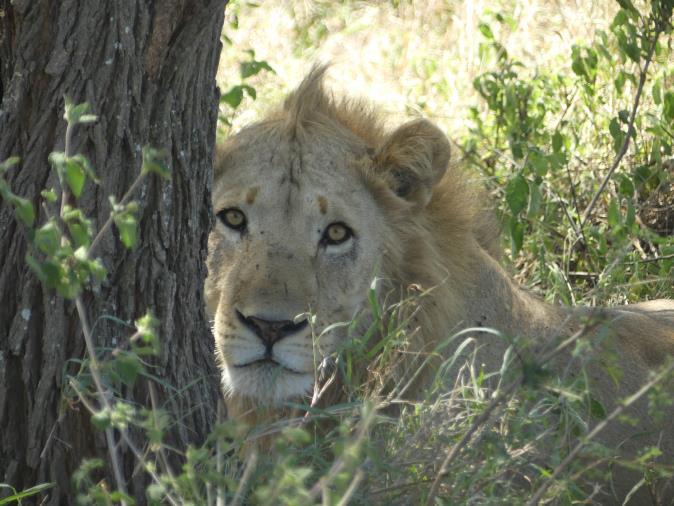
(297, 233)
(309, 204)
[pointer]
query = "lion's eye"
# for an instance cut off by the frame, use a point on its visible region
(233, 218)
(336, 233)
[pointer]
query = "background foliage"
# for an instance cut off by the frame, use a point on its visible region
(563, 110)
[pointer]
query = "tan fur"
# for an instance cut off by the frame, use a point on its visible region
(432, 231)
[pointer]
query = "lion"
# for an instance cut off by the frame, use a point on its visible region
(318, 198)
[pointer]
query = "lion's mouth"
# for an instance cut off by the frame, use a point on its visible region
(268, 361)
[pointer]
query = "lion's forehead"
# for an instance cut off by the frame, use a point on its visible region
(314, 186)
(313, 162)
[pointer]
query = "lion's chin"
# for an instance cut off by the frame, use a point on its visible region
(267, 383)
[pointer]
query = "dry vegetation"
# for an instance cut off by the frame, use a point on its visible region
(412, 58)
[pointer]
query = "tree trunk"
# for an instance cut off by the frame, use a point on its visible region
(147, 69)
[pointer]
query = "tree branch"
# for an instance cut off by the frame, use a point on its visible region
(630, 131)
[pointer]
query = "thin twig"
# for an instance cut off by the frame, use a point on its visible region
(357, 478)
(137, 453)
(94, 367)
(598, 428)
(219, 457)
(251, 463)
(630, 130)
(65, 192)
(654, 259)
(136, 184)
(162, 455)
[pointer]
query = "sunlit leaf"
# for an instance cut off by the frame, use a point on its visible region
(24, 209)
(251, 68)
(75, 176)
(233, 97)
(101, 419)
(668, 105)
(16, 497)
(49, 195)
(48, 238)
(517, 193)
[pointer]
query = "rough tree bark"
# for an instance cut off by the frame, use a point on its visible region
(147, 69)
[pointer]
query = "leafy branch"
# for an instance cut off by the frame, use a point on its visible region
(630, 126)
(68, 263)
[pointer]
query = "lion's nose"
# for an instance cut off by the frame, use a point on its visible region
(271, 331)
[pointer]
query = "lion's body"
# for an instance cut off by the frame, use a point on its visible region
(414, 222)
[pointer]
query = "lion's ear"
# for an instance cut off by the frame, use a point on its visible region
(413, 159)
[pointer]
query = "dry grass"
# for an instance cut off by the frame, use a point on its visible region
(410, 57)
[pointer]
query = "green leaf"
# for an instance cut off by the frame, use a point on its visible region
(8, 164)
(517, 193)
(53, 272)
(626, 187)
(557, 142)
(617, 134)
(620, 19)
(650, 454)
(24, 209)
(98, 271)
(614, 128)
(584, 63)
(83, 162)
(88, 118)
(147, 326)
(48, 238)
(250, 91)
(101, 420)
(613, 216)
(535, 199)
(36, 267)
(17, 496)
(127, 367)
(233, 97)
(624, 116)
(628, 6)
(516, 235)
(58, 161)
(156, 492)
(486, 31)
(539, 162)
(73, 113)
(657, 92)
(620, 82)
(79, 233)
(517, 149)
(153, 161)
(630, 218)
(631, 49)
(147, 331)
(668, 105)
(253, 67)
(596, 408)
(126, 225)
(49, 195)
(75, 176)
(79, 226)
